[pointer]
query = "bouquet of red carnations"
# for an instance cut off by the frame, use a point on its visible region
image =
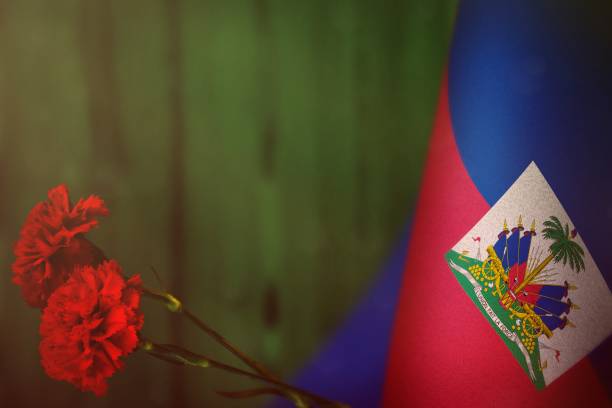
(91, 318)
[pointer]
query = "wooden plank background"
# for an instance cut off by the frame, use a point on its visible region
(263, 155)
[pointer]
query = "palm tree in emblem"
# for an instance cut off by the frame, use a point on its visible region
(563, 249)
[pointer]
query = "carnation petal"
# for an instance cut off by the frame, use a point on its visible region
(126, 339)
(114, 321)
(90, 207)
(113, 351)
(131, 295)
(58, 196)
(54, 227)
(86, 327)
(113, 283)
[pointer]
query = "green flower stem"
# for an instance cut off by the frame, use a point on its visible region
(179, 355)
(176, 306)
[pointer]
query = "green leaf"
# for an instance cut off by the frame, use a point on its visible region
(578, 247)
(572, 260)
(550, 225)
(554, 236)
(564, 252)
(557, 222)
(578, 254)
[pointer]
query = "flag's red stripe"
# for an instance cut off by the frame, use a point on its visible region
(443, 352)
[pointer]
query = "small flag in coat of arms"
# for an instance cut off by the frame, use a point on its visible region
(533, 278)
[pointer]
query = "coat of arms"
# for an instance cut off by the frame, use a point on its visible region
(531, 283)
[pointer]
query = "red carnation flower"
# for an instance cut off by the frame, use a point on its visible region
(89, 324)
(52, 244)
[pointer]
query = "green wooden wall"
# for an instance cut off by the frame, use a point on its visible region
(262, 155)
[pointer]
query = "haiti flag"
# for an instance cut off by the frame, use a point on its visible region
(517, 196)
(499, 295)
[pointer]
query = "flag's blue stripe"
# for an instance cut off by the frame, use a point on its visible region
(513, 248)
(351, 366)
(524, 245)
(532, 80)
(500, 248)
